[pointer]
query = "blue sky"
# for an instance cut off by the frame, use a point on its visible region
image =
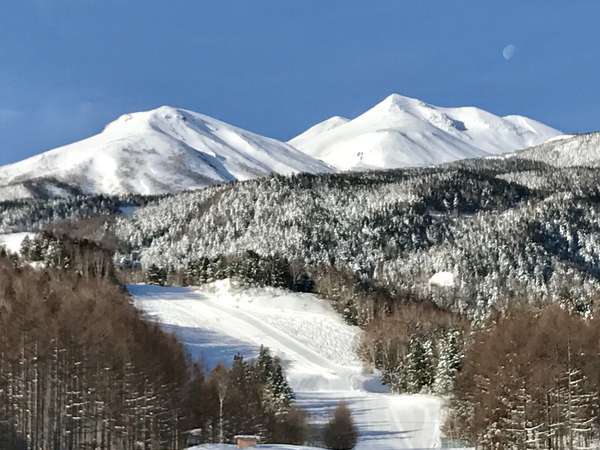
(67, 67)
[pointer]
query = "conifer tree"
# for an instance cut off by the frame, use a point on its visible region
(420, 368)
(449, 359)
(156, 275)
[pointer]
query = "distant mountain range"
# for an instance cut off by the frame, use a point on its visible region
(169, 149)
(402, 131)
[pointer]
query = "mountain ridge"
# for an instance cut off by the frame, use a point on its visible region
(162, 150)
(402, 131)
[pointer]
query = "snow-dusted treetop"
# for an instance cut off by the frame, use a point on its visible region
(402, 131)
(162, 150)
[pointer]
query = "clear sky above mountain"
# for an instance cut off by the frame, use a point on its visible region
(67, 67)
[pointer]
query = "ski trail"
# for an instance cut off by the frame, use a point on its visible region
(317, 347)
(288, 342)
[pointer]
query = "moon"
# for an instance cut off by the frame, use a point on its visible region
(509, 51)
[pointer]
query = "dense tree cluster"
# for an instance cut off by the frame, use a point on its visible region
(417, 348)
(79, 368)
(249, 268)
(250, 397)
(83, 257)
(530, 380)
(35, 215)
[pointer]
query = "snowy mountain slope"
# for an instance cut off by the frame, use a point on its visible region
(219, 320)
(402, 131)
(316, 130)
(162, 150)
(581, 150)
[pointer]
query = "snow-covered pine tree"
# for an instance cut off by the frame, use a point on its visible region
(276, 391)
(26, 246)
(156, 275)
(449, 360)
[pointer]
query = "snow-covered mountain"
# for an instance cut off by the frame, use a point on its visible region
(402, 131)
(316, 130)
(579, 150)
(157, 151)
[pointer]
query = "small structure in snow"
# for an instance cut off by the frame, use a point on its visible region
(442, 279)
(246, 441)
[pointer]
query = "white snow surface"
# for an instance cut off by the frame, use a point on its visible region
(443, 279)
(402, 131)
(12, 241)
(319, 351)
(162, 150)
(316, 130)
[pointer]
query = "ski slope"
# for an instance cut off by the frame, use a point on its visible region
(319, 350)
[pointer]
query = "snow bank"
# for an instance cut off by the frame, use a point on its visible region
(442, 279)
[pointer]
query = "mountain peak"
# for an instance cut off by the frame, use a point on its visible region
(402, 131)
(144, 118)
(318, 129)
(397, 101)
(161, 150)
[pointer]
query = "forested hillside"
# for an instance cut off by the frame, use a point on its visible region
(503, 232)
